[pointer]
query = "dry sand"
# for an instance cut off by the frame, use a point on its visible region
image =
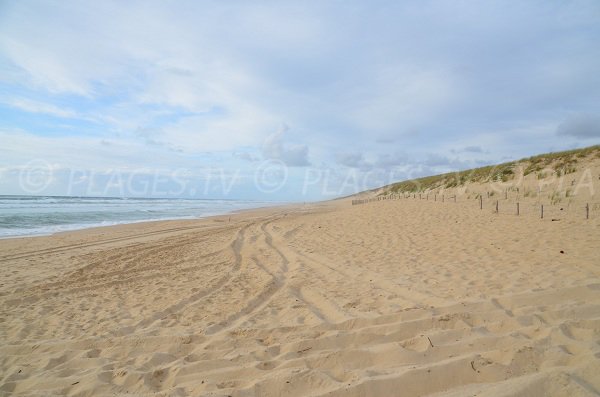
(392, 298)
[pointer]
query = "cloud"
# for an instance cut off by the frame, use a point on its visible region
(40, 107)
(85, 152)
(392, 160)
(293, 155)
(580, 126)
(169, 84)
(468, 149)
(473, 149)
(436, 160)
(245, 156)
(352, 160)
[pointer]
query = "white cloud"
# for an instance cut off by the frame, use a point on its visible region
(81, 152)
(40, 67)
(40, 107)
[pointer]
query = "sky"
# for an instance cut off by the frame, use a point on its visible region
(286, 101)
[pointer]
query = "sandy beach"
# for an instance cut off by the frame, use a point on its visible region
(396, 297)
(299, 199)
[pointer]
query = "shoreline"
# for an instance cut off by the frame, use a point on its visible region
(81, 227)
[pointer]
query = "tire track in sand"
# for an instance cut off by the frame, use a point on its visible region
(260, 301)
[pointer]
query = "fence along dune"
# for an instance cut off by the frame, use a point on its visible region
(562, 184)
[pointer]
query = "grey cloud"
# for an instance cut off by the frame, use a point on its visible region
(469, 149)
(293, 155)
(473, 149)
(245, 156)
(149, 137)
(425, 164)
(353, 160)
(154, 142)
(392, 160)
(386, 139)
(436, 160)
(580, 126)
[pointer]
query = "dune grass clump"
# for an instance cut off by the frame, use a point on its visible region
(555, 198)
(562, 162)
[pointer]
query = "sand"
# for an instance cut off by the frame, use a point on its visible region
(400, 297)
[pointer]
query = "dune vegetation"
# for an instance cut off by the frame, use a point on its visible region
(559, 163)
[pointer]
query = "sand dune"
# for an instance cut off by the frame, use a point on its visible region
(398, 297)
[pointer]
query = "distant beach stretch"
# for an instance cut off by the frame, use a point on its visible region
(332, 299)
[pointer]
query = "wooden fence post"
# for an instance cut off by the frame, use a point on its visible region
(517, 208)
(587, 211)
(542, 213)
(497, 207)
(480, 202)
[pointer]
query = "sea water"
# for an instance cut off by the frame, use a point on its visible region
(43, 215)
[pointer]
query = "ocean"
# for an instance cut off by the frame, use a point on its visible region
(43, 215)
